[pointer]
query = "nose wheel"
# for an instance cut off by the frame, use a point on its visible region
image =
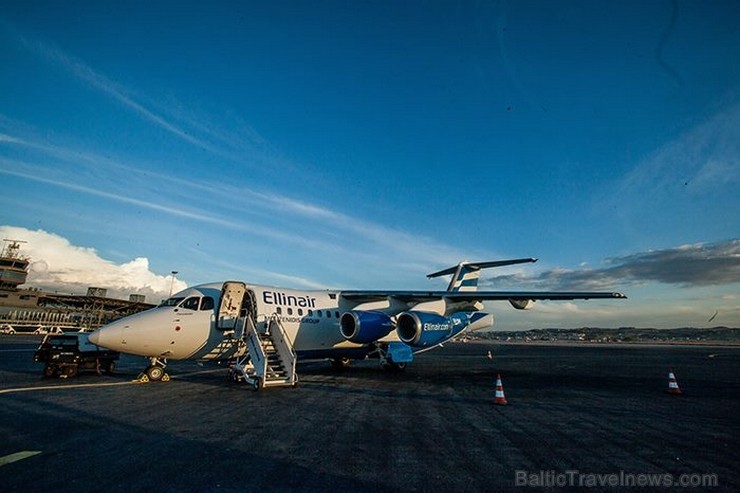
(154, 372)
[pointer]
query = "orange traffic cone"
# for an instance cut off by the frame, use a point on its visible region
(500, 398)
(673, 384)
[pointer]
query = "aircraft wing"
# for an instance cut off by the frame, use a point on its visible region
(421, 296)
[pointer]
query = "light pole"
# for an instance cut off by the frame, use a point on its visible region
(172, 282)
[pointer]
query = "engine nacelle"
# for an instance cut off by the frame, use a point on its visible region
(479, 320)
(522, 304)
(421, 329)
(364, 326)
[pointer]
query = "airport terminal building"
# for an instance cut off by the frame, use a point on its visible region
(26, 309)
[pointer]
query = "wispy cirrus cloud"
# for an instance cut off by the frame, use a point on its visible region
(149, 189)
(703, 159)
(670, 193)
(14, 168)
(422, 248)
(8, 139)
(105, 85)
(173, 117)
(37, 174)
(303, 223)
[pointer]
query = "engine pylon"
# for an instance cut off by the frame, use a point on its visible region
(500, 398)
(673, 384)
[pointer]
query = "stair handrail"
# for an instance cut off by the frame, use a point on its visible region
(256, 351)
(283, 345)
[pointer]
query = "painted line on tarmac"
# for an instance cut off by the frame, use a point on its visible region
(9, 459)
(110, 384)
(200, 372)
(61, 387)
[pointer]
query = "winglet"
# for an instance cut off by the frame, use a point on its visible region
(466, 274)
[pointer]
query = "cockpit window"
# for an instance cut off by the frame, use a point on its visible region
(206, 303)
(171, 301)
(191, 303)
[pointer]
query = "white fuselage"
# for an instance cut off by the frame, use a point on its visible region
(209, 321)
(185, 326)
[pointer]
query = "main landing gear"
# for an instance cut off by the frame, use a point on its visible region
(155, 371)
(340, 363)
(393, 356)
(393, 366)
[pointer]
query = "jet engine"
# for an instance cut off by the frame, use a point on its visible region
(421, 329)
(365, 326)
(522, 304)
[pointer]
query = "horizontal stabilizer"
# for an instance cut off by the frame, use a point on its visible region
(465, 274)
(481, 265)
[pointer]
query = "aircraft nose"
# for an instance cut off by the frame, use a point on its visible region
(95, 337)
(105, 337)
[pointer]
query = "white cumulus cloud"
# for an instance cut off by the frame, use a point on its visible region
(57, 265)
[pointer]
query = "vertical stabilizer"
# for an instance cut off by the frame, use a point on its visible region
(465, 278)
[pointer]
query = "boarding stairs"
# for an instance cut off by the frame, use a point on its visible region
(225, 349)
(270, 360)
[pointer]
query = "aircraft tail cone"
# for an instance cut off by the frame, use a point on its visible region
(500, 399)
(673, 384)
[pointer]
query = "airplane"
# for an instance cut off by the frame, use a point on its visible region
(262, 330)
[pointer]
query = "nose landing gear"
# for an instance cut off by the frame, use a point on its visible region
(154, 372)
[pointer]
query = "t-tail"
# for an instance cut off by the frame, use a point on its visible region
(465, 275)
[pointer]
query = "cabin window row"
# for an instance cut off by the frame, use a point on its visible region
(310, 313)
(207, 303)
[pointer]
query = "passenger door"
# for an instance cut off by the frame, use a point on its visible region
(232, 295)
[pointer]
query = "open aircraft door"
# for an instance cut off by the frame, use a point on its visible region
(232, 296)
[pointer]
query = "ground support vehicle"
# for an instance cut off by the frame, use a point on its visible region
(65, 355)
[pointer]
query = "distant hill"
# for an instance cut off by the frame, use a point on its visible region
(686, 335)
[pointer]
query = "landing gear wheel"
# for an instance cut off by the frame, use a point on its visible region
(396, 367)
(340, 363)
(110, 367)
(70, 371)
(49, 371)
(257, 384)
(155, 373)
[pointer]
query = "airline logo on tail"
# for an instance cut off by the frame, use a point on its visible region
(466, 274)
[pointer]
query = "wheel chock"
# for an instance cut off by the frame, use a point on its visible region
(142, 378)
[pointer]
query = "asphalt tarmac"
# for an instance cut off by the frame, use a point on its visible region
(591, 416)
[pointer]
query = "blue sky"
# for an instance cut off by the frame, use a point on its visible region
(366, 144)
